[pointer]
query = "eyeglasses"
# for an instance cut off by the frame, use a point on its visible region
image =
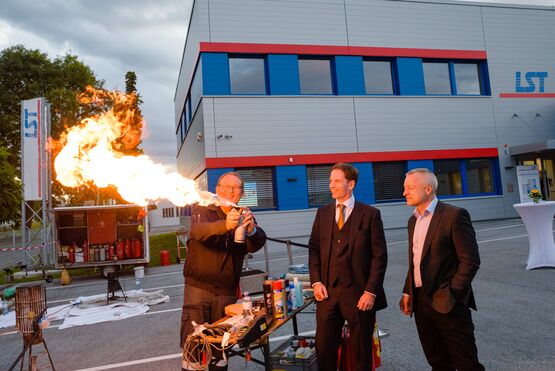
(230, 188)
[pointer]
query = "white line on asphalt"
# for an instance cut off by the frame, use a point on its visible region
(284, 337)
(505, 238)
(131, 363)
(161, 311)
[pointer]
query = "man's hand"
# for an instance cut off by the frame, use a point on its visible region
(404, 305)
(232, 219)
(320, 292)
(248, 221)
(366, 301)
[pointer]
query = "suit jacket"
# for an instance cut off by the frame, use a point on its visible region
(367, 251)
(450, 259)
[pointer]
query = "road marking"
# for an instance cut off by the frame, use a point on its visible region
(285, 337)
(132, 363)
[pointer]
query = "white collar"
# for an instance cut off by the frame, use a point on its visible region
(349, 203)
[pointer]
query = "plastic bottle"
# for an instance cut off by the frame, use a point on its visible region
(5, 309)
(292, 297)
(278, 300)
(247, 306)
(299, 297)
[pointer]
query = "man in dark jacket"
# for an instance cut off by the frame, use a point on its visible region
(214, 260)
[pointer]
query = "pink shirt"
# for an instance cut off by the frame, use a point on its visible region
(418, 238)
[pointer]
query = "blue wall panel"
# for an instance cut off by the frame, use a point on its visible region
(283, 74)
(364, 190)
(292, 190)
(410, 76)
(349, 75)
(215, 74)
(428, 164)
(214, 175)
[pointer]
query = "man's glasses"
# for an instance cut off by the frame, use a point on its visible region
(230, 188)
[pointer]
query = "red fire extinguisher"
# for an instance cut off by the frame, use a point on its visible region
(85, 251)
(71, 253)
(128, 249)
(137, 248)
(119, 250)
(110, 252)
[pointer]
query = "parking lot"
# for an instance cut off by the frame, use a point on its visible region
(515, 321)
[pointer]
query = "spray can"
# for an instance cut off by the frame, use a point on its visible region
(240, 231)
(268, 297)
(288, 297)
(279, 308)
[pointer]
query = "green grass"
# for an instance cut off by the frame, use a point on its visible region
(158, 243)
(161, 242)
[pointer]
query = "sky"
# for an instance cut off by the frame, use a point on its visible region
(116, 36)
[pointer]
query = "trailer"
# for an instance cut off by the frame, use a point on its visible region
(105, 237)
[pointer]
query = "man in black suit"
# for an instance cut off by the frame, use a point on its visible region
(443, 260)
(347, 261)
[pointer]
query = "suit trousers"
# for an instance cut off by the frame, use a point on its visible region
(331, 314)
(447, 339)
(203, 306)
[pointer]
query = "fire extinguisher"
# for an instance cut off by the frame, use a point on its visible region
(110, 252)
(85, 251)
(128, 249)
(137, 248)
(71, 253)
(119, 250)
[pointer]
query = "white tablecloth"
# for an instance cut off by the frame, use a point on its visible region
(538, 219)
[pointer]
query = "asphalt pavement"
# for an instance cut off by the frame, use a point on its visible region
(515, 321)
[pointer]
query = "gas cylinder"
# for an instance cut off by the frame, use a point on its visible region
(71, 253)
(137, 248)
(85, 248)
(119, 250)
(110, 252)
(128, 249)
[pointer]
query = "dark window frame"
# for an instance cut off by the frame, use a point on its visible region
(494, 174)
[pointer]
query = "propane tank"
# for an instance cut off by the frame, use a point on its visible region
(71, 253)
(110, 252)
(85, 248)
(119, 250)
(137, 248)
(128, 249)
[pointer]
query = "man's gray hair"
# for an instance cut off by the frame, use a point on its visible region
(431, 177)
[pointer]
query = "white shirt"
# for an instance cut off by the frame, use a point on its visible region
(349, 205)
(419, 236)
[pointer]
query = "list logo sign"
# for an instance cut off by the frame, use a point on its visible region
(30, 123)
(530, 84)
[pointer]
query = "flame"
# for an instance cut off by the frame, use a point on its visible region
(93, 153)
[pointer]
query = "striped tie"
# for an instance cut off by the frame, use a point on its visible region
(341, 219)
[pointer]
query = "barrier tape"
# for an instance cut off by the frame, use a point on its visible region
(19, 248)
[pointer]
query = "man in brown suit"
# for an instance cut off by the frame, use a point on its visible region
(347, 260)
(443, 260)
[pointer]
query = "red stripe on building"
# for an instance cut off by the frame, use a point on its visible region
(367, 51)
(527, 95)
(331, 158)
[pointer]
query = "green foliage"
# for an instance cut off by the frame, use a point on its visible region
(10, 190)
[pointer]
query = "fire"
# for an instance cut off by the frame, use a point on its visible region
(93, 153)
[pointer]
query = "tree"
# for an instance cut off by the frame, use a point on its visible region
(10, 190)
(27, 74)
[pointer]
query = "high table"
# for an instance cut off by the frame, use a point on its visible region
(538, 219)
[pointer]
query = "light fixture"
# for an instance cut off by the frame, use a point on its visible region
(515, 115)
(200, 137)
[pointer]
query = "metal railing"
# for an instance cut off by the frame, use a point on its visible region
(288, 243)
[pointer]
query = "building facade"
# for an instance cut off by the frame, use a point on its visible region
(281, 90)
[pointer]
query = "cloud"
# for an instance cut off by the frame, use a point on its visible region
(112, 37)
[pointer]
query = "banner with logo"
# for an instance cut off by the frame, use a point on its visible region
(32, 147)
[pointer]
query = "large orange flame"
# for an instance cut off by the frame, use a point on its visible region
(92, 153)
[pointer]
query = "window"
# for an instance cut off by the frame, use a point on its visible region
(247, 75)
(318, 178)
(448, 175)
(465, 177)
(168, 212)
(202, 181)
(389, 178)
(467, 77)
(259, 188)
(315, 76)
(196, 88)
(377, 77)
(184, 210)
(479, 176)
(436, 78)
